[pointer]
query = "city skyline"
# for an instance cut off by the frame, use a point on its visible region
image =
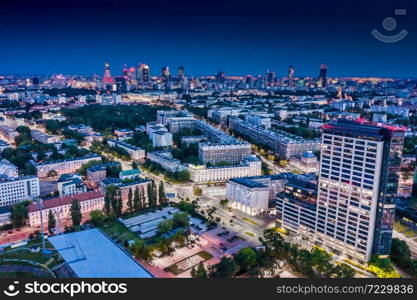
(206, 37)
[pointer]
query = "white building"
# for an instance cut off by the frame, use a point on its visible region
(8, 169)
(134, 152)
(251, 166)
(43, 137)
(165, 159)
(161, 138)
(247, 196)
(14, 190)
(64, 166)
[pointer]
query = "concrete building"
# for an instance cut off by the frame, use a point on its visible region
(165, 159)
(97, 173)
(135, 153)
(64, 166)
(161, 138)
(231, 153)
(8, 169)
(258, 120)
(4, 145)
(251, 166)
(296, 206)
(283, 143)
(14, 190)
(71, 185)
(7, 133)
(43, 137)
(61, 207)
(358, 183)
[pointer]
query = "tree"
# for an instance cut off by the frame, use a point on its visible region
(19, 214)
(246, 258)
(142, 198)
(52, 173)
(226, 268)
(344, 271)
(181, 219)
(201, 271)
(136, 200)
(165, 226)
(197, 191)
(161, 193)
(183, 175)
(116, 203)
(130, 201)
(96, 217)
(152, 197)
(51, 221)
(76, 214)
(108, 198)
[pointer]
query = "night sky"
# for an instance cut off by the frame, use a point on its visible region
(238, 37)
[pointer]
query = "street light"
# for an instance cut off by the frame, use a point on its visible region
(39, 202)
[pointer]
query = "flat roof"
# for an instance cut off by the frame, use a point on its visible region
(91, 254)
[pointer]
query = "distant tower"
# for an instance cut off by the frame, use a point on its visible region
(270, 77)
(107, 75)
(124, 70)
(220, 77)
(323, 76)
(291, 72)
(165, 74)
(181, 73)
(143, 74)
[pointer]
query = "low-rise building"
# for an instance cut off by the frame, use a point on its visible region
(4, 145)
(43, 137)
(135, 153)
(251, 166)
(61, 207)
(8, 169)
(64, 166)
(15, 190)
(131, 174)
(71, 185)
(165, 159)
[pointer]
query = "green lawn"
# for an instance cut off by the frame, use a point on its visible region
(118, 231)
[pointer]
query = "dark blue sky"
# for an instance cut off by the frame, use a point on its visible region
(239, 37)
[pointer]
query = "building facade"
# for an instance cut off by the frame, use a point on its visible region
(359, 172)
(15, 190)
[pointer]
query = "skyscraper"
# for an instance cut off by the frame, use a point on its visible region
(181, 73)
(358, 184)
(291, 72)
(107, 78)
(220, 77)
(143, 73)
(165, 74)
(322, 82)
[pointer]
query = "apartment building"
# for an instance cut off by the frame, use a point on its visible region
(231, 153)
(283, 143)
(165, 159)
(64, 166)
(14, 190)
(43, 137)
(135, 153)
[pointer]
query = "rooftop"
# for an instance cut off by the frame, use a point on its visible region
(88, 260)
(61, 201)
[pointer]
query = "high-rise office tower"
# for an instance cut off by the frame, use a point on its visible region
(121, 85)
(291, 72)
(220, 77)
(358, 182)
(107, 78)
(270, 77)
(322, 82)
(181, 73)
(143, 73)
(165, 74)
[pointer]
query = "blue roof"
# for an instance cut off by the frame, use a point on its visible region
(91, 254)
(308, 154)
